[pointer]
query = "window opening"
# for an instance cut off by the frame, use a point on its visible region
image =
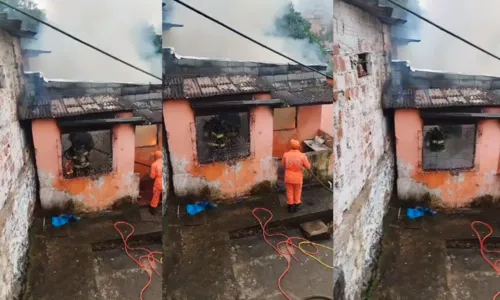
(87, 153)
(361, 64)
(146, 136)
(449, 146)
(222, 136)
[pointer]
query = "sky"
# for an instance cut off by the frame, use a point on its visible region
(476, 21)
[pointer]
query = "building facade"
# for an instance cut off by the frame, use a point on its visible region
(363, 153)
(17, 177)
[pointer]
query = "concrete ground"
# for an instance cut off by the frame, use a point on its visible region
(220, 254)
(86, 260)
(436, 257)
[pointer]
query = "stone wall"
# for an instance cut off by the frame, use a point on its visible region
(17, 172)
(363, 156)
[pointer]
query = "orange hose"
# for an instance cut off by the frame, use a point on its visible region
(484, 250)
(151, 260)
(288, 243)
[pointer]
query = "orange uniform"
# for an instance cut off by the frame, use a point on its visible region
(157, 175)
(294, 161)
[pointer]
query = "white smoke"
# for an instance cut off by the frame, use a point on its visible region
(475, 21)
(203, 38)
(115, 26)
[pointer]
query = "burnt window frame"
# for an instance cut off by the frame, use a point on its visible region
(158, 133)
(448, 122)
(100, 127)
(217, 111)
(296, 118)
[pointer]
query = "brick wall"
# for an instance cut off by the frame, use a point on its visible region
(363, 162)
(17, 173)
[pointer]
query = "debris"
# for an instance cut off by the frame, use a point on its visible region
(63, 220)
(315, 230)
(418, 212)
(193, 209)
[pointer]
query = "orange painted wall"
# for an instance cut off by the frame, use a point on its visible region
(87, 194)
(451, 189)
(225, 180)
(309, 120)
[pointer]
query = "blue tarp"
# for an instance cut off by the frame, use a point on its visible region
(193, 209)
(418, 212)
(63, 220)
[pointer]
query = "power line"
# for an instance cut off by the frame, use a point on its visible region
(444, 29)
(250, 39)
(79, 40)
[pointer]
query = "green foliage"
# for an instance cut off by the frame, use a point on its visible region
(28, 6)
(295, 26)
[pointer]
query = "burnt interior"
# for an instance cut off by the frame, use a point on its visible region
(448, 144)
(86, 152)
(222, 134)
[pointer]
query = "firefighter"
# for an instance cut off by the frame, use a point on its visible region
(156, 174)
(294, 161)
(78, 154)
(216, 131)
(435, 139)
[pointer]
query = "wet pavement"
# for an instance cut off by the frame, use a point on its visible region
(86, 260)
(220, 254)
(436, 257)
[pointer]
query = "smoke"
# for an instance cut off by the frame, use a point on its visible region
(411, 29)
(115, 26)
(475, 21)
(203, 38)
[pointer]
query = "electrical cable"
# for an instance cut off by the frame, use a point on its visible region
(150, 267)
(444, 29)
(484, 250)
(289, 244)
(250, 39)
(79, 40)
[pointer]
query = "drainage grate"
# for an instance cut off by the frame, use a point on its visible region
(152, 238)
(492, 243)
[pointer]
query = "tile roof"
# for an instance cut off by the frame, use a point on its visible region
(54, 99)
(435, 97)
(218, 85)
(307, 96)
(14, 27)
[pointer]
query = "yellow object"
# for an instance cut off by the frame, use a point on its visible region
(312, 256)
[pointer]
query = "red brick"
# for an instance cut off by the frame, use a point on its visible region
(338, 64)
(336, 49)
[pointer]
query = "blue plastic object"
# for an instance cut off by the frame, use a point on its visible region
(194, 209)
(418, 212)
(63, 220)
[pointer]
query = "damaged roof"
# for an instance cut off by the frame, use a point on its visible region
(381, 12)
(317, 95)
(13, 26)
(445, 97)
(218, 85)
(409, 88)
(55, 99)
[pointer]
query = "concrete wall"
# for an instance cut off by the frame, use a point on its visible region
(445, 188)
(17, 173)
(224, 180)
(85, 194)
(363, 162)
(309, 120)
